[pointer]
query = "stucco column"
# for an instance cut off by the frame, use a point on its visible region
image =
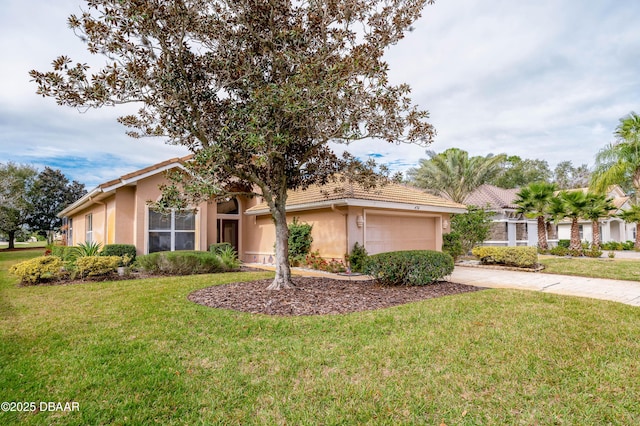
(532, 233)
(511, 234)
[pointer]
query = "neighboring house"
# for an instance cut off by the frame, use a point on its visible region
(611, 229)
(391, 217)
(512, 229)
(509, 228)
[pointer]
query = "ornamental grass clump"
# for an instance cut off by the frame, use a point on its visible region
(414, 267)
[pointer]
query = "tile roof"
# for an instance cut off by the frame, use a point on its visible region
(335, 191)
(141, 172)
(496, 198)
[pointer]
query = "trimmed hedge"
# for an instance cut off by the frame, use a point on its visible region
(413, 267)
(121, 250)
(95, 266)
(522, 257)
(183, 262)
(38, 270)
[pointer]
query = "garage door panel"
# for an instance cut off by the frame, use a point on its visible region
(393, 233)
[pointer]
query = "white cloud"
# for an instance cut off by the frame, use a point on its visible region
(543, 79)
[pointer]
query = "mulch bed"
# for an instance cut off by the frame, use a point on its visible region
(319, 296)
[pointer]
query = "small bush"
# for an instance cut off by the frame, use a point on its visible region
(575, 252)
(564, 243)
(521, 257)
(121, 250)
(95, 266)
(38, 270)
(594, 252)
(452, 244)
(184, 262)
(357, 258)
(628, 245)
(559, 251)
(229, 258)
(66, 253)
(414, 267)
(89, 248)
(219, 247)
(299, 238)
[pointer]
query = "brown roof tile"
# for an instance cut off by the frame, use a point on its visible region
(391, 192)
(494, 197)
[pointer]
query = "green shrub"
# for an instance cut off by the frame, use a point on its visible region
(300, 238)
(452, 244)
(564, 243)
(575, 252)
(628, 245)
(229, 258)
(219, 247)
(414, 267)
(559, 251)
(38, 270)
(184, 262)
(89, 248)
(522, 257)
(357, 258)
(593, 252)
(95, 266)
(66, 253)
(121, 250)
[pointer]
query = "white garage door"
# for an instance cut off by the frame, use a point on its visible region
(391, 233)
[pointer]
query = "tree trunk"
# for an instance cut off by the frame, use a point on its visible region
(12, 237)
(595, 230)
(542, 234)
(575, 244)
(283, 271)
(637, 244)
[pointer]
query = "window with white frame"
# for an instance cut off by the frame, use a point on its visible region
(88, 220)
(171, 231)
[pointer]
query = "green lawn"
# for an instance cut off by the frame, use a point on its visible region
(619, 269)
(139, 352)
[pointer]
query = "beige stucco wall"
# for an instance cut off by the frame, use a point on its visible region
(98, 213)
(335, 231)
(329, 234)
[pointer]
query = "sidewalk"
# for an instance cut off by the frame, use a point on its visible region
(627, 292)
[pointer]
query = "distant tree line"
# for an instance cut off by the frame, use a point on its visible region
(30, 200)
(454, 174)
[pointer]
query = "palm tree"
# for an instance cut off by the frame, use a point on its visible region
(453, 174)
(533, 201)
(633, 216)
(619, 162)
(571, 205)
(598, 206)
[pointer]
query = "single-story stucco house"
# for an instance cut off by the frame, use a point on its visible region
(391, 217)
(510, 228)
(612, 228)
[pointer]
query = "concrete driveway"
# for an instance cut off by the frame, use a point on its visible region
(627, 292)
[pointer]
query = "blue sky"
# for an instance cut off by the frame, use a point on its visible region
(547, 79)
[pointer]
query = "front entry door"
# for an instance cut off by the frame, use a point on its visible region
(228, 232)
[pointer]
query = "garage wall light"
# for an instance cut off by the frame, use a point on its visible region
(359, 221)
(445, 224)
